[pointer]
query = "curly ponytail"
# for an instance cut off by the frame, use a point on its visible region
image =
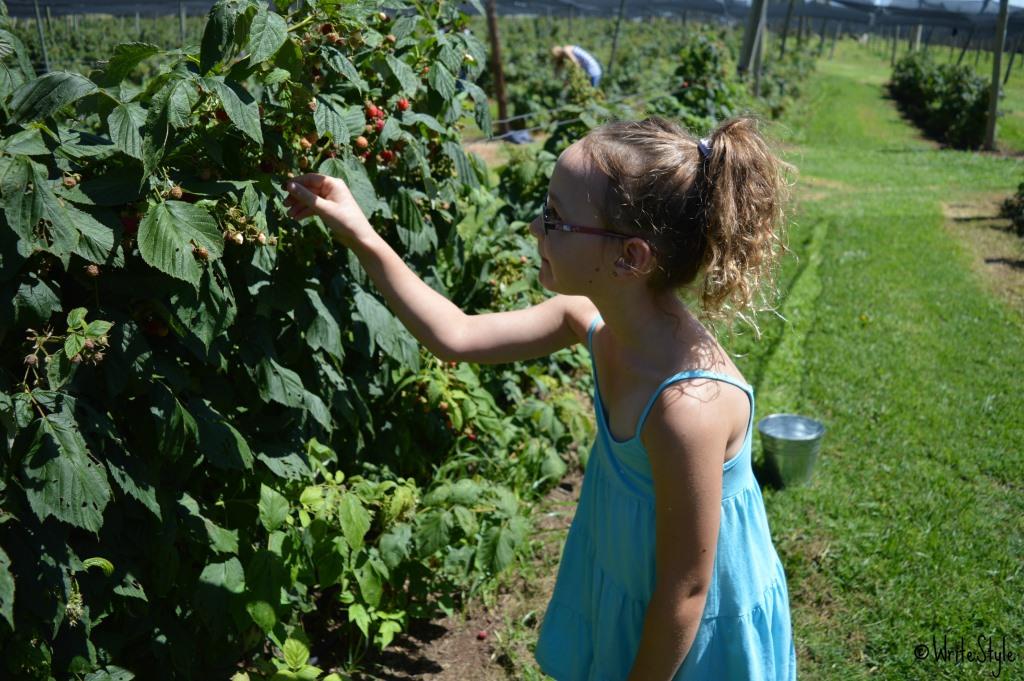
(722, 216)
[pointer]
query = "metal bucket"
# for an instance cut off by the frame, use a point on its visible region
(791, 444)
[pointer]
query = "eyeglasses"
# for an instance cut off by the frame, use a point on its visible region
(551, 223)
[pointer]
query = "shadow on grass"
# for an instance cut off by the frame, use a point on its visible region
(1015, 264)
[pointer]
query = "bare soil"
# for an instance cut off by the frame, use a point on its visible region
(997, 253)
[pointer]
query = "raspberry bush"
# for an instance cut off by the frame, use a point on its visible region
(221, 448)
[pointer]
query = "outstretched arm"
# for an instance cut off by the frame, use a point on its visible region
(436, 322)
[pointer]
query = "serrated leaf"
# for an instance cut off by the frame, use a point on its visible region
(62, 480)
(329, 121)
(273, 508)
(369, 584)
(244, 114)
(357, 613)
(165, 234)
(433, 531)
(279, 384)
(262, 613)
(218, 34)
(6, 589)
(442, 80)
(266, 35)
(354, 518)
(43, 96)
(125, 124)
(404, 74)
(496, 549)
(296, 654)
(126, 57)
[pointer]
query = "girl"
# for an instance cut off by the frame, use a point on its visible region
(668, 571)
(581, 58)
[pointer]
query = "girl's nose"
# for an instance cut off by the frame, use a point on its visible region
(537, 227)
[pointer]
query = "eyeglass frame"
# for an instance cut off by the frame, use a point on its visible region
(560, 226)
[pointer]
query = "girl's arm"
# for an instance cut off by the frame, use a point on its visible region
(685, 437)
(436, 322)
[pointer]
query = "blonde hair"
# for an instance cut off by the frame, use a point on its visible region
(722, 216)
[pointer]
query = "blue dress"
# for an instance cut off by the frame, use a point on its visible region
(591, 630)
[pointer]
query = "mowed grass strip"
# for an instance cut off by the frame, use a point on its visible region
(912, 524)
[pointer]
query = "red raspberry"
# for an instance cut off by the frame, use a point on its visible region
(371, 110)
(362, 143)
(379, 125)
(222, 115)
(481, 635)
(326, 28)
(130, 223)
(387, 156)
(403, 104)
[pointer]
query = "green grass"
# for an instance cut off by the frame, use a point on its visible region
(911, 525)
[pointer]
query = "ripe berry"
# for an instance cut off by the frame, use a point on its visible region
(89, 344)
(70, 182)
(492, 282)
(481, 635)
(305, 143)
(92, 270)
(387, 156)
(336, 39)
(472, 436)
(403, 104)
(326, 28)
(130, 223)
(222, 115)
(201, 252)
(371, 110)
(379, 125)
(175, 192)
(425, 70)
(312, 138)
(331, 154)
(522, 259)
(361, 142)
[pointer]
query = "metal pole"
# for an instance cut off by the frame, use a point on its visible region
(785, 28)
(497, 69)
(917, 38)
(821, 42)
(835, 36)
(138, 25)
(759, 50)
(997, 57)
(895, 42)
(615, 38)
(181, 21)
(967, 43)
(1013, 55)
(757, 10)
(42, 37)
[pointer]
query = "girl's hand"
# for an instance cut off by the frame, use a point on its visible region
(329, 198)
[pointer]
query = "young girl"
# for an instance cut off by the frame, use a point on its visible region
(668, 571)
(580, 57)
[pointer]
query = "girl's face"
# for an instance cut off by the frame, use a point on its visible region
(572, 262)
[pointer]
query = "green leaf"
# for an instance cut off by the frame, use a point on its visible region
(62, 480)
(279, 384)
(328, 119)
(110, 673)
(6, 589)
(262, 613)
(165, 234)
(101, 563)
(95, 239)
(404, 74)
(355, 520)
(357, 613)
(323, 331)
(387, 331)
(273, 508)
(244, 114)
(76, 318)
(337, 61)
(228, 575)
(266, 35)
(496, 549)
(386, 633)
(73, 344)
(42, 97)
(218, 35)
(296, 654)
(369, 584)
(175, 426)
(126, 57)
(27, 142)
(442, 80)
(125, 124)
(433, 531)
(394, 545)
(181, 98)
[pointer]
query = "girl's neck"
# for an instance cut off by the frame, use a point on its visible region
(655, 337)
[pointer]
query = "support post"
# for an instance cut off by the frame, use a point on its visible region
(895, 43)
(821, 42)
(835, 37)
(759, 51)
(1013, 55)
(997, 70)
(42, 38)
(754, 20)
(916, 46)
(615, 38)
(785, 28)
(181, 21)
(967, 43)
(496, 66)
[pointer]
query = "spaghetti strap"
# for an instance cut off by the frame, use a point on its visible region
(693, 373)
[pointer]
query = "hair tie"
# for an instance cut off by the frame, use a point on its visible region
(704, 146)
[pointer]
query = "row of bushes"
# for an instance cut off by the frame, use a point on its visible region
(949, 102)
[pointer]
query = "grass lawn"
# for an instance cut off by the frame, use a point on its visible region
(912, 525)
